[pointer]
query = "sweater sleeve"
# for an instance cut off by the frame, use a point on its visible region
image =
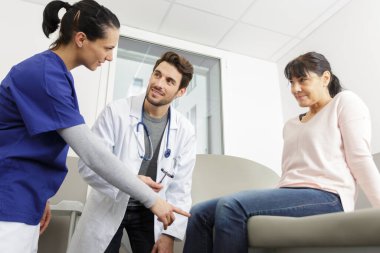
(104, 129)
(355, 125)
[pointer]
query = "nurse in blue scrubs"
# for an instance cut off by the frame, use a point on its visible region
(40, 119)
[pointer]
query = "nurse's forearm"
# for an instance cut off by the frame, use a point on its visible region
(96, 156)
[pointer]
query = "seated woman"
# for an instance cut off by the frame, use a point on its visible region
(326, 153)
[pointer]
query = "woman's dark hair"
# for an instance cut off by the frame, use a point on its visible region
(85, 16)
(312, 62)
(181, 64)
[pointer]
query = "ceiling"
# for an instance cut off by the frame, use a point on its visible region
(264, 29)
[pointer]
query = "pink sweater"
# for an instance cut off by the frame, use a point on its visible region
(332, 151)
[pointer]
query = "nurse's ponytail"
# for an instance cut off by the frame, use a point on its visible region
(51, 19)
(85, 16)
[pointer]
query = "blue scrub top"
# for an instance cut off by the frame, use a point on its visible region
(37, 97)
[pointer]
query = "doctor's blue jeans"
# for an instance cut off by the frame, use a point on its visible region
(225, 219)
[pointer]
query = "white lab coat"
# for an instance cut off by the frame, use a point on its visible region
(105, 207)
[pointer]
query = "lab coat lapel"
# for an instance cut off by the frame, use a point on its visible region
(172, 135)
(135, 116)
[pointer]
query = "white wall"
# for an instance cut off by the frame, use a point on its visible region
(252, 116)
(20, 39)
(350, 40)
(252, 110)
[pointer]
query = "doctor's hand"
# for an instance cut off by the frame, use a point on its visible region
(45, 220)
(165, 212)
(164, 244)
(152, 184)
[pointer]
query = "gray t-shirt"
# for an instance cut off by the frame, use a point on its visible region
(156, 128)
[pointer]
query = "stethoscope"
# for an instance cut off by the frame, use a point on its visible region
(167, 150)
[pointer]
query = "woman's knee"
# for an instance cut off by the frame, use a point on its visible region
(198, 208)
(203, 211)
(229, 206)
(196, 213)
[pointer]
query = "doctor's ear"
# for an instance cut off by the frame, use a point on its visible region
(80, 38)
(180, 92)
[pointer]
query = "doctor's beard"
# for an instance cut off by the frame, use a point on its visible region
(162, 102)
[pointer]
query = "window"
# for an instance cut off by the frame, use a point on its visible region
(192, 85)
(192, 116)
(201, 103)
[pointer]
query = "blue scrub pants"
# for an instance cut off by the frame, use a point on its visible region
(227, 216)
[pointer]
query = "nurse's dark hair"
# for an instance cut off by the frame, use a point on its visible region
(316, 63)
(85, 16)
(181, 64)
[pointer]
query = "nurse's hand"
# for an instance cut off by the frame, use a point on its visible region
(164, 211)
(45, 220)
(152, 184)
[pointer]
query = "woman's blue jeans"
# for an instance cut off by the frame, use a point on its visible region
(227, 216)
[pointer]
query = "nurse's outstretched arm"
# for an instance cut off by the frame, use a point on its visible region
(96, 156)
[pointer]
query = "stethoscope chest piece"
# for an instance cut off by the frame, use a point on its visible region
(167, 153)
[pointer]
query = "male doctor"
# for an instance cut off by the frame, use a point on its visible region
(158, 144)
